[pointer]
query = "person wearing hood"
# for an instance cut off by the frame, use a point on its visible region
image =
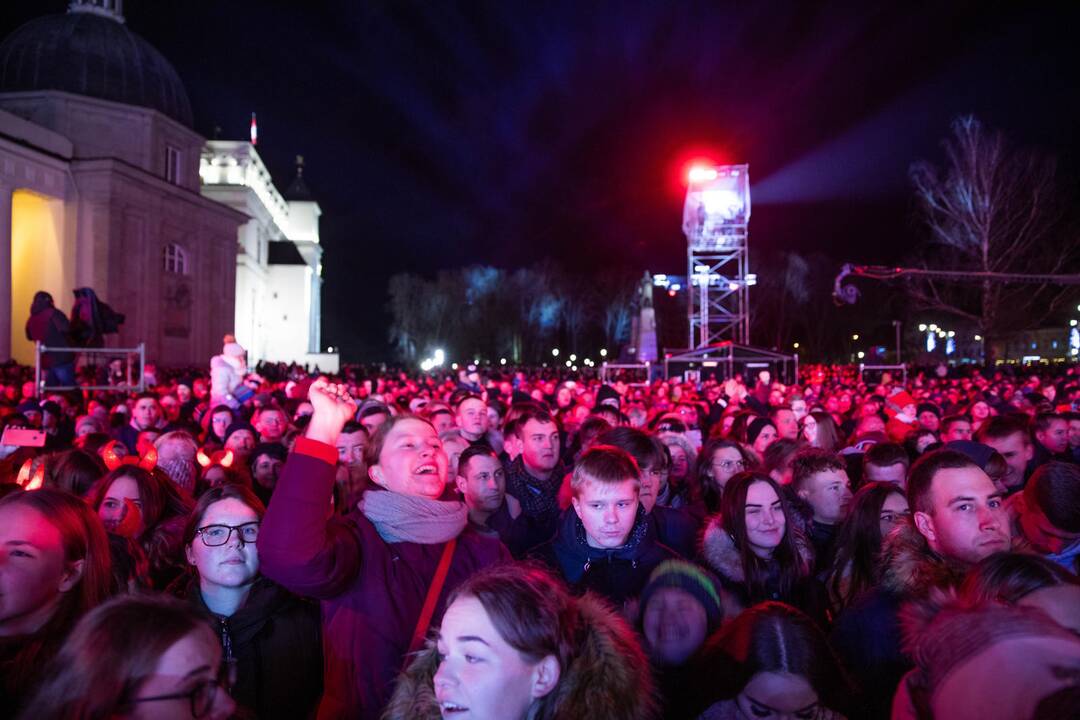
(381, 574)
(268, 635)
(1045, 515)
(514, 644)
(903, 416)
(757, 552)
(227, 372)
(50, 327)
(605, 542)
(958, 518)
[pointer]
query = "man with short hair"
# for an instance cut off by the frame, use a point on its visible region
(534, 477)
(353, 480)
(1051, 439)
(958, 518)
(146, 415)
(481, 480)
(1046, 515)
(1008, 434)
(271, 423)
(442, 418)
(955, 427)
(604, 543)
(371, 415)
(787, 425)
(471, 417)
(1073, 419)
(929, 416)
(820, 479)
(886, 462)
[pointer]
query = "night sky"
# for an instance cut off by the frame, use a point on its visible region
(441, 134)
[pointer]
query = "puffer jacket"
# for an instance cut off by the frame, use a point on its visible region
(608, 676)
(722, 557)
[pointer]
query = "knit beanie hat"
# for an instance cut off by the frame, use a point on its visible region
(690, 578)
(927, 407)
(755, 427)
(239, 425)
(608, 395)
(950, 643)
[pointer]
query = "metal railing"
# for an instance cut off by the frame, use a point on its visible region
(137, 384)
(884, 368)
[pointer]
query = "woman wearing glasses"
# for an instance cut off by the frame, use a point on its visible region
(719, 461)
(874, 511)
(137, 657)
(268, 635)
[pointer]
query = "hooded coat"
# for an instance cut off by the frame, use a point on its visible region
(274, 640)
(618, 574)
(608, 676)
(722, 557)
(867, 633)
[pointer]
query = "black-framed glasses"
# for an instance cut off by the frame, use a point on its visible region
(217, 535)
(202, 695)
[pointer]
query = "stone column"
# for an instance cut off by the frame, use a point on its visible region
(5, 272)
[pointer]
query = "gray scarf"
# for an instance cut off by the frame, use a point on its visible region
(408, 518)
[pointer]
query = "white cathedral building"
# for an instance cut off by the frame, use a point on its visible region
(105, 184)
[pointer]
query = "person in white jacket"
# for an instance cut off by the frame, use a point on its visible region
(227, 372)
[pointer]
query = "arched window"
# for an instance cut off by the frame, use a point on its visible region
(176, 259)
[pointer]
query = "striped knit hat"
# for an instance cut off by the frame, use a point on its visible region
(688, 577)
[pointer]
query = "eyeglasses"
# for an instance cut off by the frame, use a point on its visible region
(894, 517)
(730, 464)
(216, 535)
(202, 695)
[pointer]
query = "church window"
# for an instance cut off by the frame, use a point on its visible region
(176, 259)
(172, 164)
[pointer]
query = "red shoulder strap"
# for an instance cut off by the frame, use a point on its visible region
(434, 590)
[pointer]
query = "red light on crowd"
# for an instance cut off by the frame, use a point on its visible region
(701, 173)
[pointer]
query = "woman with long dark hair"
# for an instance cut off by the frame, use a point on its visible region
(875, 509)
(819, 429)
(756, 550)
(54, 567)
(161, 513)
(719, 461)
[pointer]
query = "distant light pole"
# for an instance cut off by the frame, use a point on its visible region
(896, 325)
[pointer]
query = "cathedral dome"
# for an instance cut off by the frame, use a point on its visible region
(91, 52)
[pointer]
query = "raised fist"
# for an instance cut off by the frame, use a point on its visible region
(332, 408)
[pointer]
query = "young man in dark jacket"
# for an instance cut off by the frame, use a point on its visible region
(958, 518)
(50, 327)
(605, 542)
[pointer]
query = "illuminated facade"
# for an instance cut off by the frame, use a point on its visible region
(101, 186)
(279, 258)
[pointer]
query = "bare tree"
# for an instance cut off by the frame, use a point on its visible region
(992, 208)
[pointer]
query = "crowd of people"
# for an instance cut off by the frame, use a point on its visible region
(525, 544)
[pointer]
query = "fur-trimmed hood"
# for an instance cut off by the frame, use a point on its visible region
(909, 567)
(719, 551)
(609, 676)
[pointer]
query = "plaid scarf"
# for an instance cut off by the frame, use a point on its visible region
(538, 498)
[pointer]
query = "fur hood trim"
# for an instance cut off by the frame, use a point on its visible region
(910, 568)
(719, 551)
(609, 677)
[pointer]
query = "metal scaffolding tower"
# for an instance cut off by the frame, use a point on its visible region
(715, 219)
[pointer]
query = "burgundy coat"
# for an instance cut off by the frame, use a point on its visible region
(372, 591)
